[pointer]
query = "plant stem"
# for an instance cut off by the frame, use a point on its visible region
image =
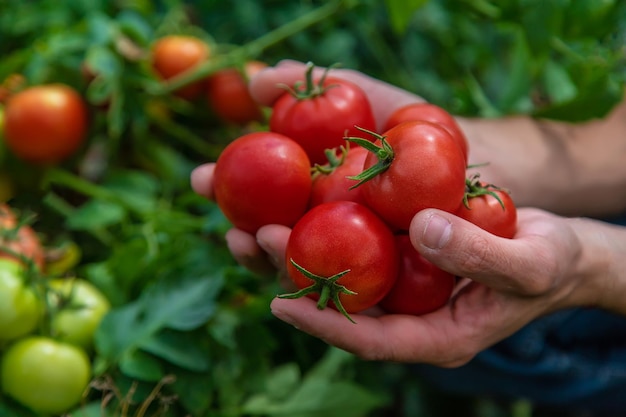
(255, 47)
(66, 210)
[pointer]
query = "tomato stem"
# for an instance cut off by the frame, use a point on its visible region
(257, 46)
(474, 188)
(327, 287)
(384, 153)
(334, 161)
(311, 89)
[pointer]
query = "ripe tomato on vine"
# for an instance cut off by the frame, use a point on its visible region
(319, 113)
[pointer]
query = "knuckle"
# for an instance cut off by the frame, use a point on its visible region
(541, 281)
(477, 256)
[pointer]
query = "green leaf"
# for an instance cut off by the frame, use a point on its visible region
(137, 189)
(117, 118)
(280, 384)
(101, 30)
(135, 27)
(180, 305)
(223, 327)
(597, 99)
(558, 84)
(93, 409)
(103, 62)
(194, 391)
(95, 214)
(321, 393)
(139, 365)
(178, 348)
(401, 12)
(519, 73)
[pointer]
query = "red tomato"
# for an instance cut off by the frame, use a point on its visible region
(19, 240)
(262, 178)
(490, 208)
(173, 55)
(341, 236)
(45, 124)
(229, 97)
(417, 166)
(421, 286)
(319, 114)
(331, 182)
(430, 113)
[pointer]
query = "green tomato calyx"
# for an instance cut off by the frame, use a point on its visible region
(326, 287)
(384, 152)
(475, 188)
(309, 89)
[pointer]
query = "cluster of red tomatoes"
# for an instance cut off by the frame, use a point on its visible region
(47, 124)
(47, 325)
(350, 193)
(226, 90)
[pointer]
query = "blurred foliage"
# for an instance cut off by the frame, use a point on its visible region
(191, 332)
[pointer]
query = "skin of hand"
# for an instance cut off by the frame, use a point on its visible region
(552, 263)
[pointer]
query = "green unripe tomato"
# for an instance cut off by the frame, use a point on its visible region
(45, 375)
(20, 309)
(79, 307)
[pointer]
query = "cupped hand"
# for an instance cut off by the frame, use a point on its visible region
(251, 251)
(509, 283)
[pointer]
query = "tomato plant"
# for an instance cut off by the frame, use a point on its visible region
(421, 287)
(262, 178)
(318, 114)
(78, 307)
(228, 95)
(430, 113)
(45, 124)
(45, 375)
(343, 253)
(415, 165)
(174, 55)
(331, 182)
(19, 240)
(489, 207)
(20, 309)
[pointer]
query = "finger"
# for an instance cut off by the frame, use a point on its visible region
(265, 85)
(434, 338)
(525, 265)
(202, 180)
(384, 98)
(273, 239)
(246, 252)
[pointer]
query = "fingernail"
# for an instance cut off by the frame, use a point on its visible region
(437, 232)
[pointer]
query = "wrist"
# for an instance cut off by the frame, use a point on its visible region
(601, 266)
(515, 153)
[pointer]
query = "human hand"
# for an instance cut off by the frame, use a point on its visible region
(508, 282)
(552, 263)
(251, 251)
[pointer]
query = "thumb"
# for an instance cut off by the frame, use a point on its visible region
(466, 250)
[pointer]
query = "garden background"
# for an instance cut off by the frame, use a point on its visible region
(190, 332)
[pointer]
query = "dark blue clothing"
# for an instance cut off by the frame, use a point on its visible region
(573, 360)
